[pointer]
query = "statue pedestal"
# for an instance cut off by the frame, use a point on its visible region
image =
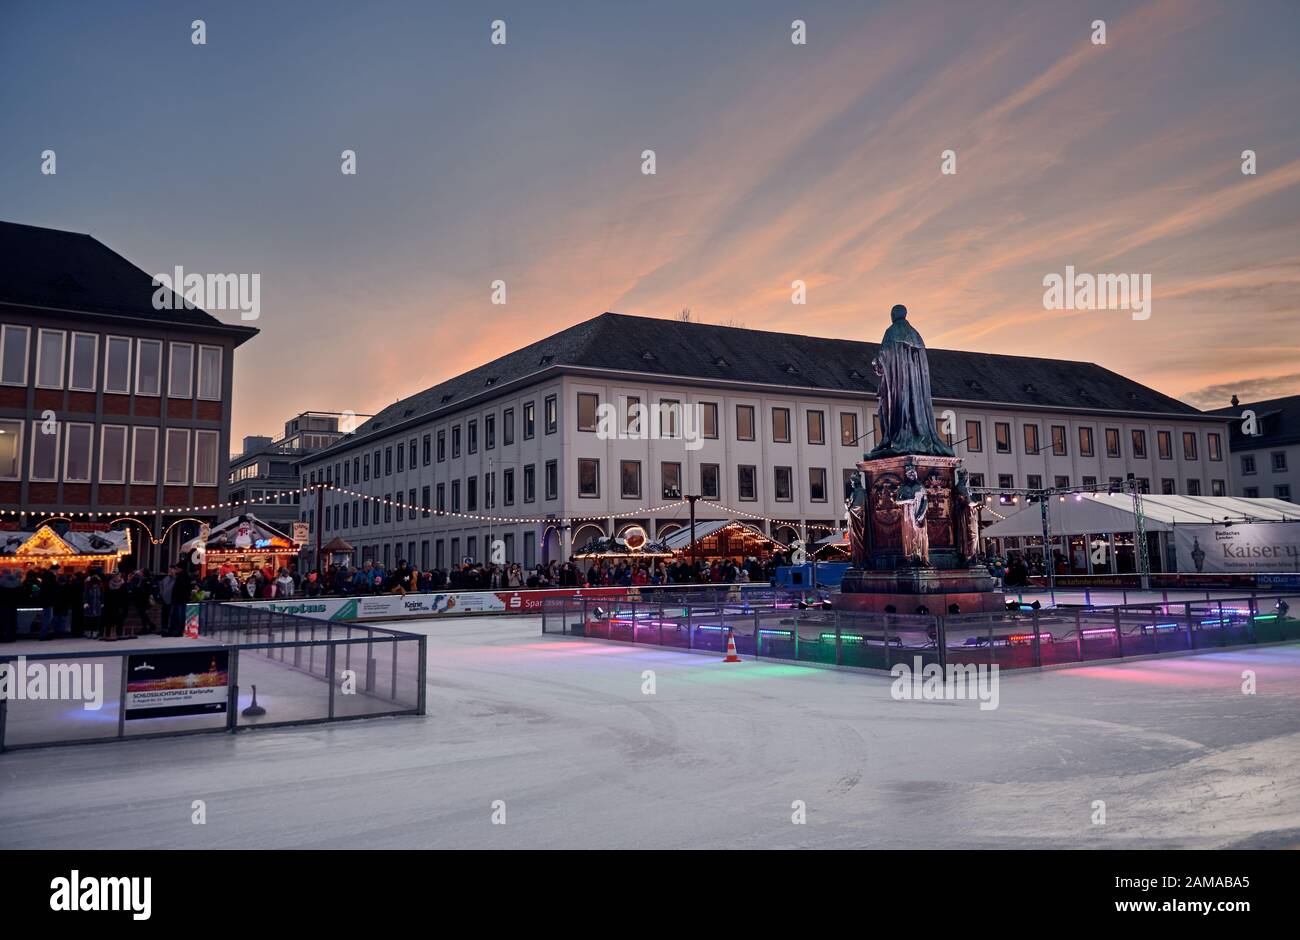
(883, 577)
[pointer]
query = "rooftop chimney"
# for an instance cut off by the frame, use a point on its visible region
(1235, 401)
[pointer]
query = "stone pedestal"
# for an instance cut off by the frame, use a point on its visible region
(883, 579)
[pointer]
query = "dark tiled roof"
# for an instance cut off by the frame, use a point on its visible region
(45, 267)
(708, 352)
(1278, 422)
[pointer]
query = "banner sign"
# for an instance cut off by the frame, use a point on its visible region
(301, 533)
(170, 685)
(388, 606)
(1238, 548)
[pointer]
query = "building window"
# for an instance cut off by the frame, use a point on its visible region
(1031, 439)
(552, 479)
(210, 373)
(471, 494)
(629, 474)
(977, 480)
(1251, 492)
(85, 362)
(424, 502)
(13, 354)
(782, 484)
(530, 420)
(668, 409)
(489, 432)
(388, 461)
(11, 449)
(180, 375)
(1061, 483)
(745, 422)
(112, 453)
(709, 420)
(1193, 487)
(471, 436)
(1085, 442)
(710, 477)
(1168, 487)
(1282, 491)
(410, 501)
(365, 466)
(552, 414)
(455, 441)
(1139, 439)
(455, 498)
(1006, 481)
(1002, 437)
(440, 492)
(1092, 481)
(1059, 448)
(442, 446)
(1112, 442)
(1034, 481)
(945, 429)
(117, 365)
(176, 466)
(1214, 446)
(1165, 445)
(1247, 463)
(781, 425)
(670, 476)
(206, 444)
(588, 477)
(817, 484)
(848, 428)
(588, 403)
(426, 449)
(1278, 460)
(49, 358)
(974, 437)
(816, 427)
(1189, 448)
(401, 457)
(1218, 488)
(507, 427)
(530, 483)
(746, 482)
(508, 486)
(632, 414)
(148, 367)
(76, 452)
(144, 455)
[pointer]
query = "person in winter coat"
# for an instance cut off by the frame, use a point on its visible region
(11, 595)
(117, 599)
(284, 586)
(92, 607)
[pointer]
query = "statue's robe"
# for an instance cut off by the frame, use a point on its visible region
(906, 409)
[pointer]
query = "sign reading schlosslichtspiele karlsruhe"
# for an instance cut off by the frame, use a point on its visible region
(1237, 548)
(371, 606)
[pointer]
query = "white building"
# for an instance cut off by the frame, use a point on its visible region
(768, 426)
(1265, 446)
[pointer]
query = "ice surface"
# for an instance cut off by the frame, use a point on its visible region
(560, 730)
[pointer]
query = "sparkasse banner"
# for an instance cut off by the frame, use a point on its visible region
(1242, 547)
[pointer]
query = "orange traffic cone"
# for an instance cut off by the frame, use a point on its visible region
(731, 656)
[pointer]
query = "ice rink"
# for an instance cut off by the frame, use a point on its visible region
(561, 731)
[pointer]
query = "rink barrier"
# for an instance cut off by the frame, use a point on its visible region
(856, 639)
(307, 672)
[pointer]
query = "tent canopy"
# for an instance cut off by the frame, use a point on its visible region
(680, 540)
(1103, 512)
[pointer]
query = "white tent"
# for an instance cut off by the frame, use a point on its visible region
(1102, 512)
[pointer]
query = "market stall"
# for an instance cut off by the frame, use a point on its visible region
(723, 538)
(73, 550)
(241, 544)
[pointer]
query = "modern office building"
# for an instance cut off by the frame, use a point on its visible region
(601, 426)
(107, 405)
(265, 472)
(1264, 441)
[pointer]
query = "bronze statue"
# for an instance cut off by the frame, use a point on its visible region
(905, 407)
(967, 518)
(914, 501)
(856, 508)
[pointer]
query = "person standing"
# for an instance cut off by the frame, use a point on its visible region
(117, 599)
(11, 589)
(139, 594)
(92, 607)
(182, 587)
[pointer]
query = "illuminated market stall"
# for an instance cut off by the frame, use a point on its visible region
(723, 538)
(634, 545)
(74, 550)
(242, 544)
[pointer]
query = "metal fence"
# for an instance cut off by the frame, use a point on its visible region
(1011, 639)
(305, 671)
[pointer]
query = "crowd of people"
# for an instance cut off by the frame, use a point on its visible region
(97, 605)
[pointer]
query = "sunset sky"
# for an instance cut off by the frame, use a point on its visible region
(775, 162)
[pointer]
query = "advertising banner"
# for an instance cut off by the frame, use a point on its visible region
(388, 606)
(1242, 547)
(170, 685)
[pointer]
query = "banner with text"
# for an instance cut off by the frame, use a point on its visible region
(1247, 546)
